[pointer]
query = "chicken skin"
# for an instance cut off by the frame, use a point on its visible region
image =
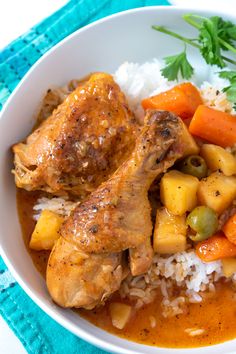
(81, 144)
(86, 264)
(78, 279)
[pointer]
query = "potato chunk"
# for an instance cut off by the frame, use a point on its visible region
(188, 142)
(218, 158)
(120, 314)
(217, 191)
(170, 232)
(46, 231)
(229, 266)
(179, 192)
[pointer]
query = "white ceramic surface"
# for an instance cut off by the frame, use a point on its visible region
(101, 46)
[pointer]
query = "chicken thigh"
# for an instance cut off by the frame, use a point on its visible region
(85, 266)
(81, 144)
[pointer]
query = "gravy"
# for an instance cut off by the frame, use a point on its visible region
(216, 315)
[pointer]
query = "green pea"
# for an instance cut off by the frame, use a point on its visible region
(204, 221)
(194, 165)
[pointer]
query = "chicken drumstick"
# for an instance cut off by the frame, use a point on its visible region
(86, 264)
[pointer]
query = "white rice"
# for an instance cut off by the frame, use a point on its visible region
(192, 332)
(182, 270)
(58, 205)
(153, 321)
(139, 81)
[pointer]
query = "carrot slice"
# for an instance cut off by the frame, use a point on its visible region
(182, 100)
(215, 126)
(230, 229)
(216, 247)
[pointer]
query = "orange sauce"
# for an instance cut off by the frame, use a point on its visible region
(25, 202)
(216, 315)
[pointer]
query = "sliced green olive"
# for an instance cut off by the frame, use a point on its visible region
(204, 221)
(194, 165)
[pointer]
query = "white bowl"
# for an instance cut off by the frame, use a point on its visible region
(103, 45)
(227, 5)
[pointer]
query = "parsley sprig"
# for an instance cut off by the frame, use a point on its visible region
(215, 37)
(175, 64)
(231, 89)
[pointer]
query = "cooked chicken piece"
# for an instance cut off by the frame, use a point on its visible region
(140, 258)
(115, 217)
(81, 144)
(82, 279)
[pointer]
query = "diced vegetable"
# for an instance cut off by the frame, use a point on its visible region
(188, 143)
(194, 165)
(230, 229)
(216, 247)
(182, 100)
(120, 314)
(170, 232)
(215, 126)
(46, 231)
(203, 221)
(218, 158)
(229, 266)
(178, 192)
(217, 191)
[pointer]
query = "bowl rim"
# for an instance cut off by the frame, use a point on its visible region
(66, 323)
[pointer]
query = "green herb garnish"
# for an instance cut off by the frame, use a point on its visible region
(231, 89)
(210, 46)
(215, 36)
(175, 64)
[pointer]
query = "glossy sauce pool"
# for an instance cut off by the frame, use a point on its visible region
(216, 315)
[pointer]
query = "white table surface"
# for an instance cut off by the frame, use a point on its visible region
(13, 24)
(25, 15)
(227, 5)
(9, 343)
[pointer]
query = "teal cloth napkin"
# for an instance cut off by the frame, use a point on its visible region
(38, 333)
